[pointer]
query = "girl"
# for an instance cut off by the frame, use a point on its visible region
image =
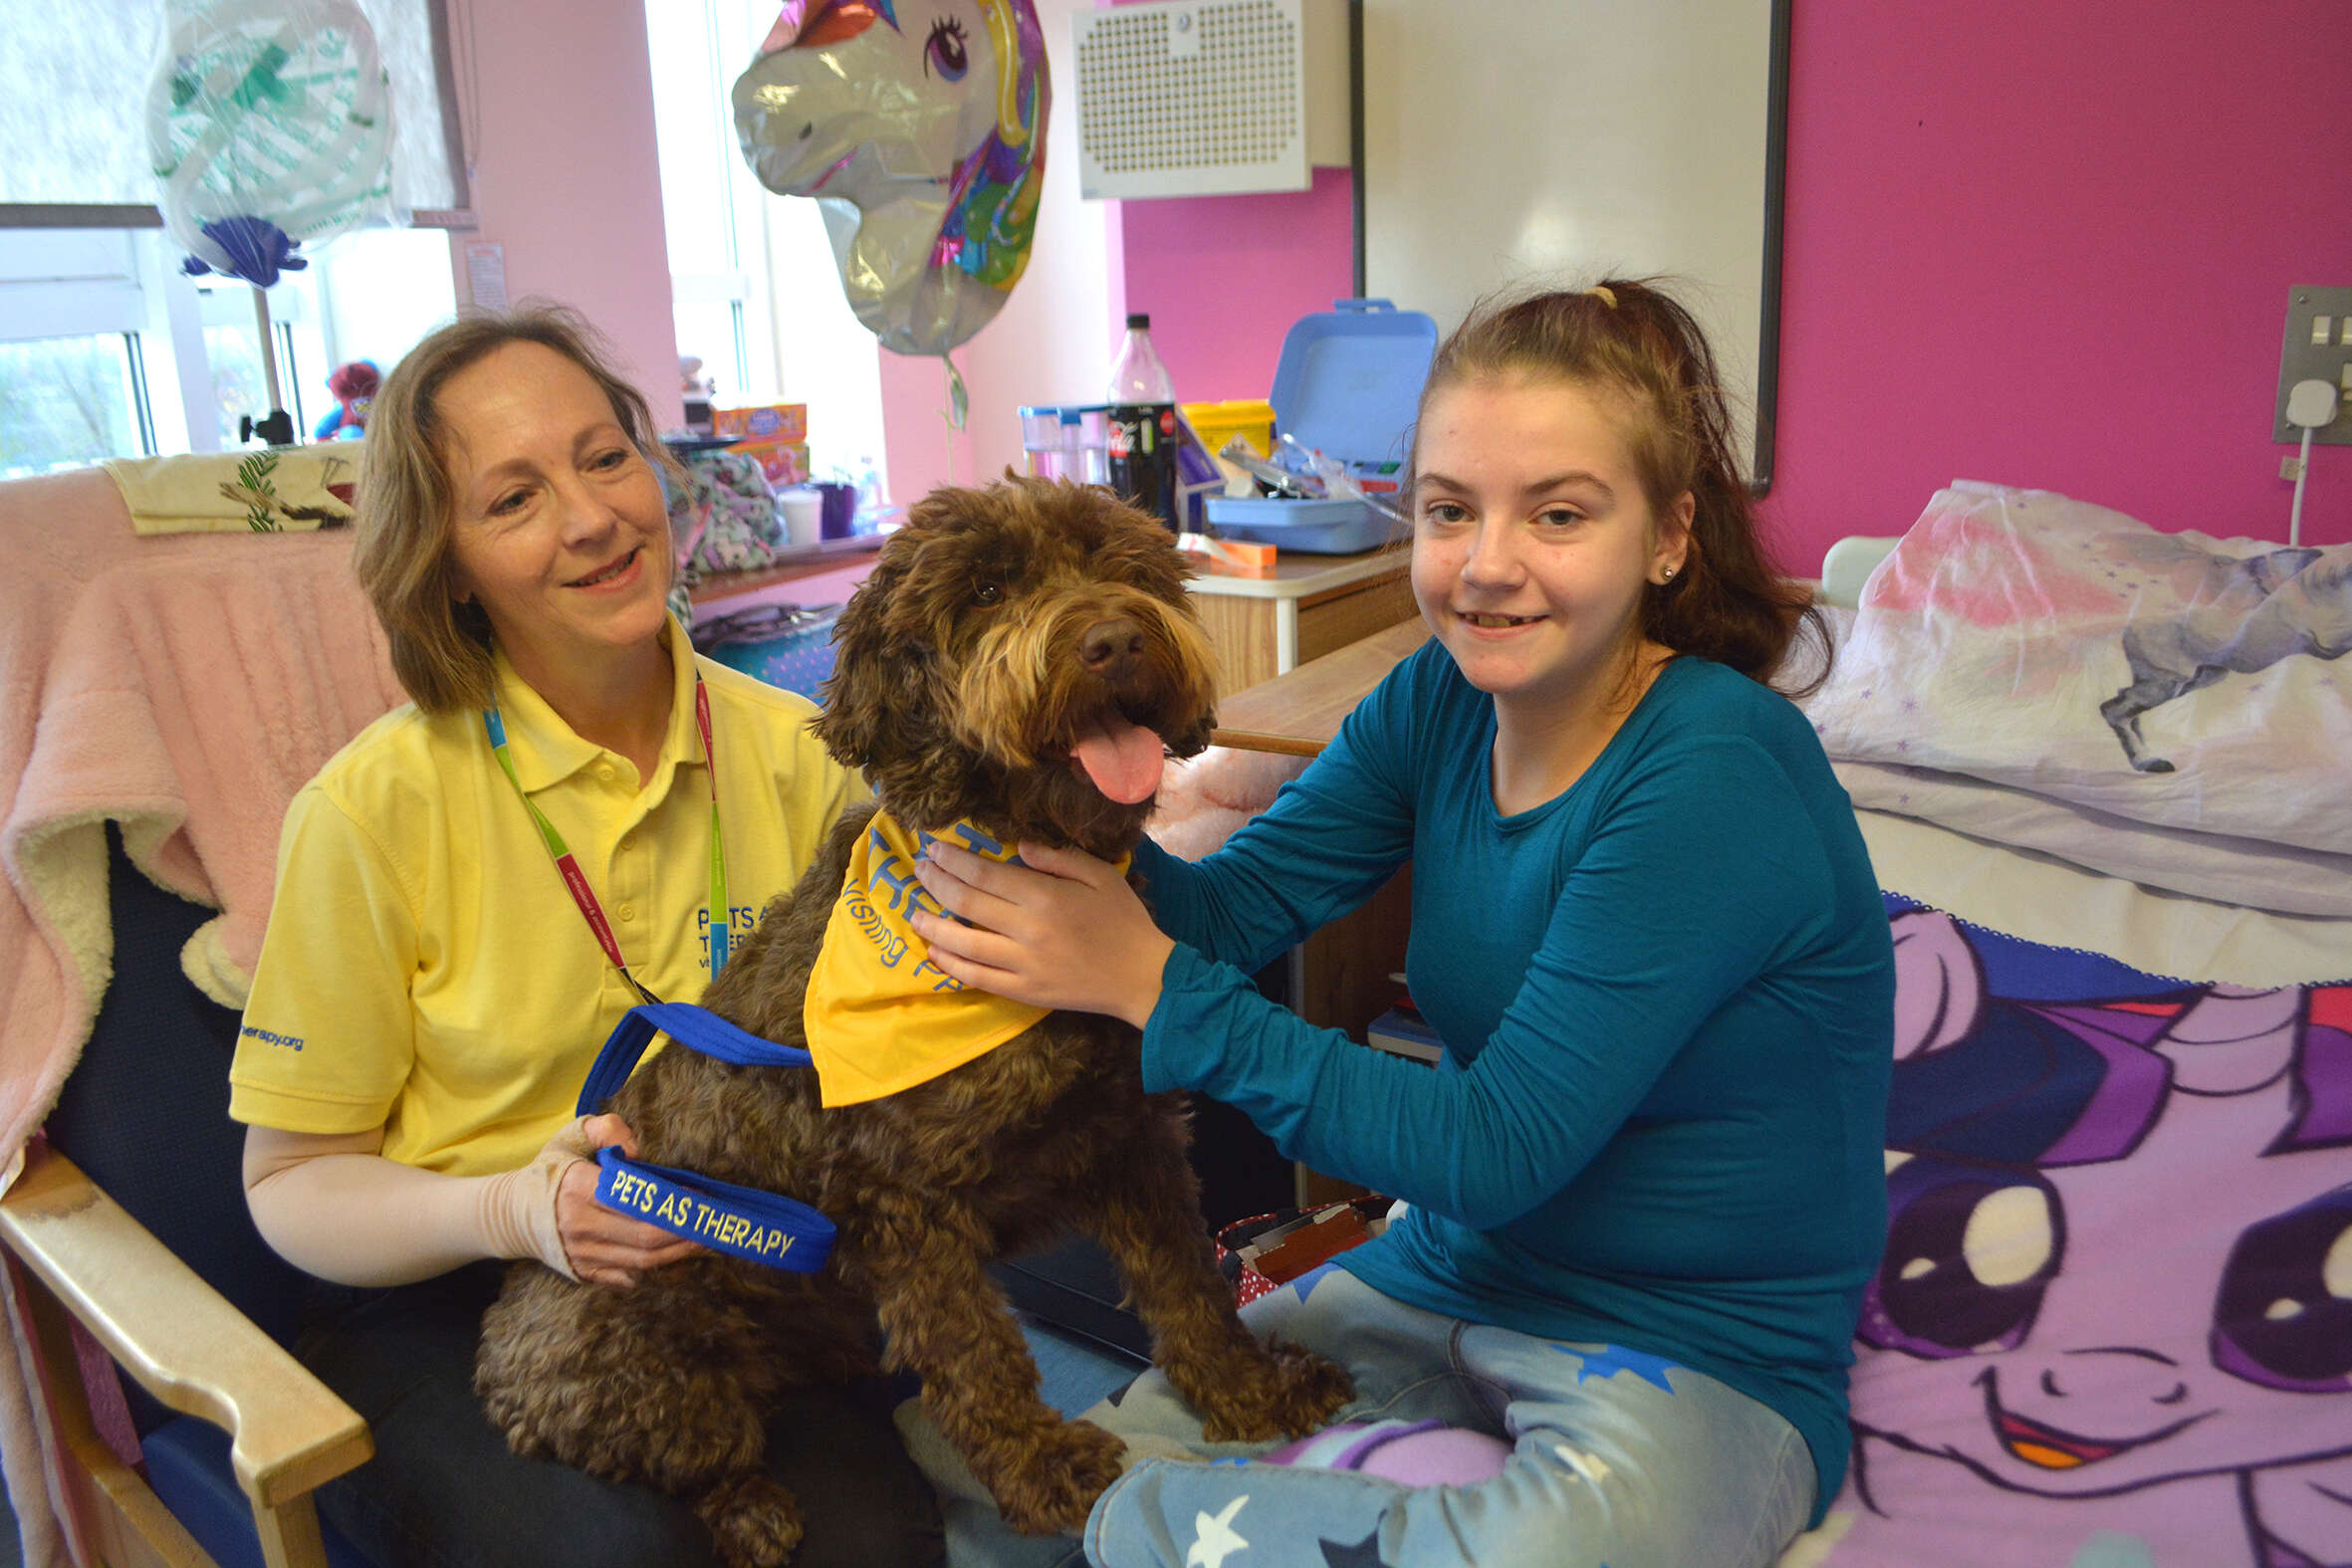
(430, 997)
(1646, 1187)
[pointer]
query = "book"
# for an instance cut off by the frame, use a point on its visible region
(1401, 1031)
(1289, 1250)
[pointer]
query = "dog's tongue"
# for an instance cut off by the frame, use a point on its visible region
(1122, 759)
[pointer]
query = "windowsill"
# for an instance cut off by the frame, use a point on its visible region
(791, 562)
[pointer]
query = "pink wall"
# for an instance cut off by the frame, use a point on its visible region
(564, 175)
(2050, 244)
(1224, 277)
(2036, 242)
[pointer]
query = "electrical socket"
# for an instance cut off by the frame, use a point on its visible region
(2301, 359)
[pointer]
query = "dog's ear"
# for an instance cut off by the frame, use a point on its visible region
(877, 672)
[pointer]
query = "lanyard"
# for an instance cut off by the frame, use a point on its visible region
(577, 880)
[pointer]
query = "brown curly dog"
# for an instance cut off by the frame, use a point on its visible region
(1008, 638)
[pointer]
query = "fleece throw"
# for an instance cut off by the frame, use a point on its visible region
(182, 687)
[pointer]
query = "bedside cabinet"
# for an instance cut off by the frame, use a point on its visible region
(1262, 628)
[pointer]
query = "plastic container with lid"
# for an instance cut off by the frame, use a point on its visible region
(1348, 384)
(1066, 441)
(1251, 418)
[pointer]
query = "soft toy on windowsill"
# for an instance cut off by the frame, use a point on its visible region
(353, 387)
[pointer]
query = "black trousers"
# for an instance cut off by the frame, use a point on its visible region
(445, 1491)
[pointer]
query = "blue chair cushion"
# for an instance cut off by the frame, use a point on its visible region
(158, 1058)
(188, 1465)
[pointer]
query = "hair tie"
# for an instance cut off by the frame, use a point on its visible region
(1608, 295)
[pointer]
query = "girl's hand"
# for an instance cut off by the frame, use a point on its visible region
(1064, 930)
(604, 1247)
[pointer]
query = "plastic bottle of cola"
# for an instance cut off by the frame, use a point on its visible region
(1137, 375)
(1144, 436)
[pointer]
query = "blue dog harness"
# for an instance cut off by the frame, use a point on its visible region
(745, 1221)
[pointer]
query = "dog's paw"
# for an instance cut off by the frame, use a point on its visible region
(753, 1521)
(1057, 1479)
(1282, 1392)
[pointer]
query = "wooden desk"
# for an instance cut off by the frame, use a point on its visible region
(1338, 977)
(1299, 712)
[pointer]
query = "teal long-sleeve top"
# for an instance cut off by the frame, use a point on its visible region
(1667, 1001)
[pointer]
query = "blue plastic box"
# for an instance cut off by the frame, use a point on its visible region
(1348, 384)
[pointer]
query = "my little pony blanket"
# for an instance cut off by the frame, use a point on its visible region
(2113, 1328)
(2103, 771)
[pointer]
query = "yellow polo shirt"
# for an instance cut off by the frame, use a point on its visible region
(424, 969)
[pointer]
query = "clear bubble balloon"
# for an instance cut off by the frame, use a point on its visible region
(269, 124)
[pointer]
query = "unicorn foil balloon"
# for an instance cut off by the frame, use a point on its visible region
(919, 126)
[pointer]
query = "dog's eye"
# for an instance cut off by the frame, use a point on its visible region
(987, 593)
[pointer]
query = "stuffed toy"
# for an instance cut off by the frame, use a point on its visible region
(353, 387)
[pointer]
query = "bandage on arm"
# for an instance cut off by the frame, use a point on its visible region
(332, 1206)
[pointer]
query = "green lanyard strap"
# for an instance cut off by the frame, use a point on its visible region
(575, 880)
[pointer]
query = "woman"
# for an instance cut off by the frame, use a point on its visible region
(1646, 1188)
(432, 989)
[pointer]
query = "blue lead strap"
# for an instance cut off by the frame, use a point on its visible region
(745, 1221)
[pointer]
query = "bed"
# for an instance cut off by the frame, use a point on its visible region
(2105, 776)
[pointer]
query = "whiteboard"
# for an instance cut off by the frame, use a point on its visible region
(1557, 141)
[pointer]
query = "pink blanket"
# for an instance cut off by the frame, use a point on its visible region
(182, 687)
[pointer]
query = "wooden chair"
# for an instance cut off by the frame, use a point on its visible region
(130, 1220)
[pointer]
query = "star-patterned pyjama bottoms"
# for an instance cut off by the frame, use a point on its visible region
(1617, 1459)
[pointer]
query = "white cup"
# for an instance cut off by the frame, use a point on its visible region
(802, 508)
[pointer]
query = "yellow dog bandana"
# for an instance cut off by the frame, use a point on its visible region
(881, 1017)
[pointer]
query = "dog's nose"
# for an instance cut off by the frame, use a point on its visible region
(1111, 646)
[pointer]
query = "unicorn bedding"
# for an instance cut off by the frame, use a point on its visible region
(2106, 779)
(2022, 639)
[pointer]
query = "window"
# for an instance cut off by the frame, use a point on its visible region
(70, 401)
(107, 350)
(72, 365)
(73, 89)
(753, 282)
(106, 347)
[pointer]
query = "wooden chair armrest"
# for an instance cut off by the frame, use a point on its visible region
(178, 1337)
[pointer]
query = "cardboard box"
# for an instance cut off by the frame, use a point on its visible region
(780, 422)
(777, 434)
(784, 462)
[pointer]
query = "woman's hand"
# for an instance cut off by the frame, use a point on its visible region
(1062, 930)
(603, 1246)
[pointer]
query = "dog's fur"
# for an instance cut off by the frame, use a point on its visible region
(961, 681)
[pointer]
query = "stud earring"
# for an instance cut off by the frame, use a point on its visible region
(1667, 575)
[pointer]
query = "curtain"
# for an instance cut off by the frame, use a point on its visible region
(72, 114)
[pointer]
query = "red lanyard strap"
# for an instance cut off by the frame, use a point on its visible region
(575, 880)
